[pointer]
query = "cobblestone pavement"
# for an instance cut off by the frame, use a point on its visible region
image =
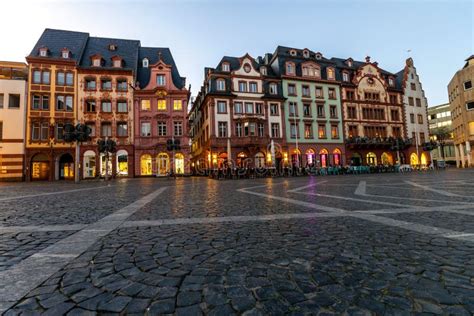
(388, 244)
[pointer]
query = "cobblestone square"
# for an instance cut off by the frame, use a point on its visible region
(378, 244)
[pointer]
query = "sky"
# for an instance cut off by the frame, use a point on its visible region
(438, 35)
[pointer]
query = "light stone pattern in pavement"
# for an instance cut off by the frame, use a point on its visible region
(354, 245)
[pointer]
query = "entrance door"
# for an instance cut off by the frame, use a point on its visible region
(179, 164)
(66, 167)
(89, 164)
(163, 164)
(40, 167)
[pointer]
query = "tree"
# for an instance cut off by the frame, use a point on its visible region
(442, 134)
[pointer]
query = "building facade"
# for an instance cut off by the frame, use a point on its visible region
(441, 132)
(237, 117)
(416, 111)
(13, 95)
(461, 100)
(312, 107)
(52, 102)
(160, 107)
(373, 112)
(105, 103)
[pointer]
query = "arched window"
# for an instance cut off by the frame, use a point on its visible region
(336, 154)
(330, 73)
(122, 162)
(310, 156)
(371, 159)
(145, 165)
(145, 63)
(387, 159)
(179, 163)
(414, 159)
(163, 163)
(323, 158)
(259, 160)
(220, 84)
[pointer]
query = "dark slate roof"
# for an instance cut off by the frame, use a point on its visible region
(153, 53)
(56, 40)
(126, 49)
(399, 79)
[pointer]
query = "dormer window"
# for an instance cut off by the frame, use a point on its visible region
(293, 52)
(43, 52)
(226, 67)
(112, 47)
(290, 69)
(160, 80)
(118, 63)
(145, 63)
(96, 62)
(349, 62)
(273, 88)
(391, 82)
(318, 56)
(247, 68)
(306, 53)
(345, 77)
(65, 53)
(330, 73)
(311, 71)
(263, 71)
(220, 84)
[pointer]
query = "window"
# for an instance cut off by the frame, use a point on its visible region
(145, 63)
(106, 106)
(90, 106)
(44, 131)
(306, 91)
(238, 107)
(238, 129)
(330, 72)
(418, 102)
(320, 108)
(242, 86)
(220, 84)
(332, 93)
(221, 107)
(258, 108)
(390, 82)
(307, 109)
(161, 105)
(412, 118)
(345, 76)
(1, 100)
(122, 129)
(350, 95)
(178, 128)
(225, 67)
(292, 108)
(249, 129)
(394, 115)
(422, 137)
(420, 119)
(396, 132)
(351, 112)
(96, 62)
(261, 129)
(470, 105)
(145, 105)
(35, 131)
(468, 85)
(160, 80)
(117, 63)
(162, 129)
(122, 85)
(353, 131)
(92, 128)
(319, 92)
(69, 79)
(222, 129)
(273, 109)
(64, 103)
(321, 131)
(248, 107)
(45, 77)
(36, 76)
(90, 84)
(308, 131)
(145, 129)
(43, 52)
(13, 101)
(291, 89)
(106, 84)
(106, 130)
(371, 96)
(413, 86)
(290, 69)
(273, 88)
(122, 106)
(410, 101)
(253, 87)
(275, 130)
(393, 99)
(263, 71)
(177, 105)
(59, 131)
(332, 111)
(293, 130)
(60, 78)
(334, 131)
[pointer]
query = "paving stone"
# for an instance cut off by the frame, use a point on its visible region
(189, 310)
(117, 304)
(188, 298)
(166, 306)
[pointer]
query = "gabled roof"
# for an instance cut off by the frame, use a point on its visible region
(126, 49)
(57, 40)
(153, 54)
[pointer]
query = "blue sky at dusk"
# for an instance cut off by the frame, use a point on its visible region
(199, 32)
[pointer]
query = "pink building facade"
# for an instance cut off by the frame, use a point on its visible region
(160, 111)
